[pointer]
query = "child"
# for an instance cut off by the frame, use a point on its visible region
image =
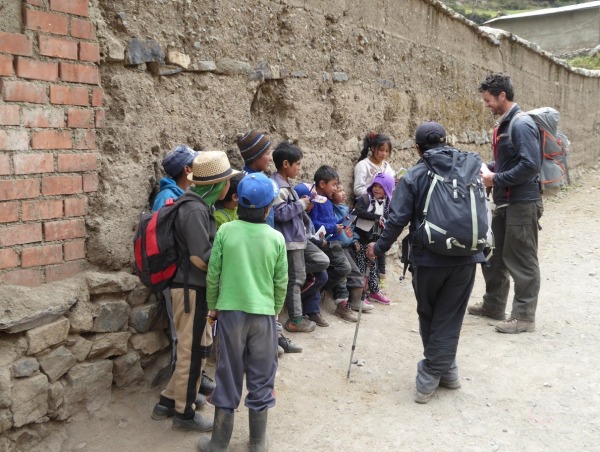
(372, 210)
(289, 210)
(177, 165)
(255, 149)
(226, 210)
(248, 251)
(355, 280)
(326, 181)
(365, 170)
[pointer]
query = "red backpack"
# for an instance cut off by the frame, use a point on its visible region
(155, 250)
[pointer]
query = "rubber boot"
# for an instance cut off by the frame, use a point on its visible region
(221, 433)
(356, 299)
(258, 431)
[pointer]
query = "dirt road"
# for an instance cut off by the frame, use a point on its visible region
(527, 392)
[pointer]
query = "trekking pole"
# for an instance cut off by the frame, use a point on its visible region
(363, 297)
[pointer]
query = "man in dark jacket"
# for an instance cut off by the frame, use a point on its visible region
(442, 284)
(514, 176)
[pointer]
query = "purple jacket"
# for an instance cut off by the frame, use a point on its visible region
(289, 214)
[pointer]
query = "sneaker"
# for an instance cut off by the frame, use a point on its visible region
(287, 345)
(343, 311)
(454, 384)
(477, 309)
(280, 350)
(195, 424)
(207, 385)
(318, 319)
(515, 326)
(421, 397)
(304, 326)
(379, 298)
(310, 281)
(366, 306)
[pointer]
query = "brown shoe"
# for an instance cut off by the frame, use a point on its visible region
(304, 326)
(515, 326)
(477, 309)
(343, 311)
(318, 319)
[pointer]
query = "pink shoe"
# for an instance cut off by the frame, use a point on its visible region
(379, 298)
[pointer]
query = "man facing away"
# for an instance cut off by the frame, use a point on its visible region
(514, 176)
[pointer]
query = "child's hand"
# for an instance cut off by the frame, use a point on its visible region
(381, 222)
(340, 228)
(306, 201)
(348, 232)
(357, 246)
(324, 244)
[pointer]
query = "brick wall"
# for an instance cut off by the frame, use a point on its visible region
(50, 106)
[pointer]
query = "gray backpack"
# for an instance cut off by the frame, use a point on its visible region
(455, 219)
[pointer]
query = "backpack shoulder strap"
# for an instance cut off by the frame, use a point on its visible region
(518, 114)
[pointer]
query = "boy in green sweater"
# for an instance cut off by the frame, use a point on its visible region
(226, 210)
(246, 288)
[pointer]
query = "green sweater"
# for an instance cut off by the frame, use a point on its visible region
(247, 270)
(225, 215)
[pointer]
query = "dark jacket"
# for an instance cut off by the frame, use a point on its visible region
(517, 162)
(406, 207)
(289, 215)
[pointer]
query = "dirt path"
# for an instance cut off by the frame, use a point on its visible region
(537, 391)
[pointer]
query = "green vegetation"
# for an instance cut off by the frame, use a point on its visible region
(480, 11)
(586, 62)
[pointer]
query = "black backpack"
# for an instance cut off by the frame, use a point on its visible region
(455, 219)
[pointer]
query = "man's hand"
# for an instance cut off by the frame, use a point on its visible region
(371, 251)
(488, 179)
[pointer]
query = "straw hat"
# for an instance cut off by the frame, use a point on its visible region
(211, 167)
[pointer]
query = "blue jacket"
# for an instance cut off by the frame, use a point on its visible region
(168, 189)
(340, 211)
(322, 215)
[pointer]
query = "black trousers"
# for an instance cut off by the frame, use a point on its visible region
(442, 295)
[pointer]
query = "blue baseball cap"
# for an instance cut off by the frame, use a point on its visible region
(256, 191)
(177, 159)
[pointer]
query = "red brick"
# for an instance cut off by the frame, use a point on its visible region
(41, 255)
(61, 185)
(82, 28)
(16, 91)
(8, 259)
(33, 163)
(51, 139)
(30, 277)
(89, 51)
(4, 166)
(9, 212)
(90, 182)
(74, 250)
(76, 207)
(58, 47)
(41, 210)
(6, 65)
(100, 119)
(64, 229)
(9, 115)
(35, 2)
(97, 97)
(47, 22)
(20, 233)
(19, 189)
(79, 73)
(14, 140)
(46, 117)
(64, 271)
(36, 70)
(68, 163)
(77, 7)
(69, 95)
(79, 118)
(84, 139)
(15, 44)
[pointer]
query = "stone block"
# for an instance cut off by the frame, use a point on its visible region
(340, 77)
(56, 394)
(5, 422)
(87, 388)
(138, 296)
(79, 347)
(144, 51)
(24, 367)
(149, 343)
(29, 399)
(228, 66)
(202, 66)
(127, 369)
(5, 387)
(101, 283)
(114, 49)
(387, 84)
(109, 344)
(178, 59)
(56, 363)
(299, 74)
(45, 336)
(112, 315)
(144, 318)
(82, 316)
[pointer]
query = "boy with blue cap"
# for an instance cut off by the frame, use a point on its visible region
(177, 165)
(243, 315)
